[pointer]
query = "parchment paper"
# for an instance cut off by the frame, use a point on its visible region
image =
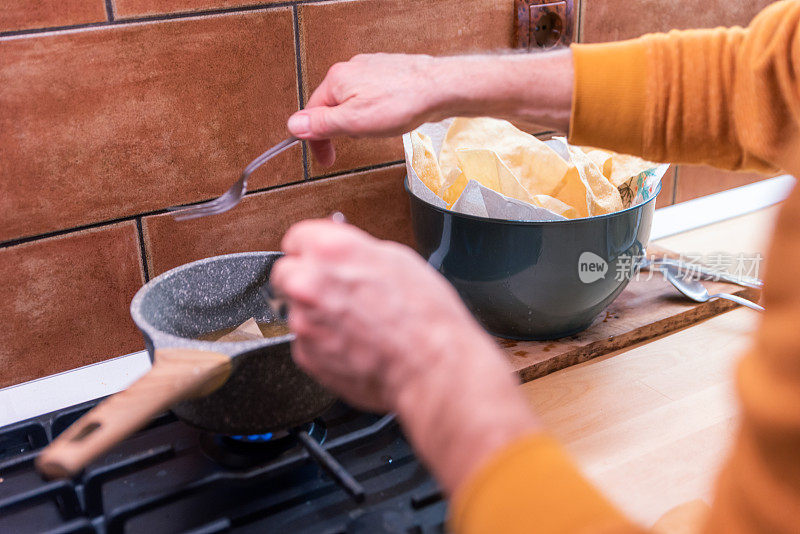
(481, 201)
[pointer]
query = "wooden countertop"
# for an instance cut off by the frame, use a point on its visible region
(651, 424)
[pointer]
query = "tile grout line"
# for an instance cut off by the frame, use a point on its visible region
(368, 168)
(358, 170)
(143, 250)
(109, 222)
(306, 176)
(299, 71)
(110, 10)
(114, 20)
(75, 229)
(34, 31)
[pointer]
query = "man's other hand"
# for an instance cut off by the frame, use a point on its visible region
(375, 95)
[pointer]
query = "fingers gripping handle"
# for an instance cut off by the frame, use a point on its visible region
(177, 374)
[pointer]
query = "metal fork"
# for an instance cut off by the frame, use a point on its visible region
(234, 194)
(701, 271)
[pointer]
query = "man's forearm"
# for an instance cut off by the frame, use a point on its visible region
(379, 95)
(463, 406)
(532, 89)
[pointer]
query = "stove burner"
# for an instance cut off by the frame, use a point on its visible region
(160, 481)
(245, 451)
(254, 437)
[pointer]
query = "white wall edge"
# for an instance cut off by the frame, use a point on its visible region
(718, 207)
(69, 388)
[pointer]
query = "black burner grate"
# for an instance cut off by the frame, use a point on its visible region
(161, 480)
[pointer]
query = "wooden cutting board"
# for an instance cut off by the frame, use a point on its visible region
(647, 308)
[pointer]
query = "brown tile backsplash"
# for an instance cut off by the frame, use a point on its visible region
(612, 20)
(373, 200)
(667, 188)
(110, 122)
(336, 31)
(30, 14)
(64, 301)
(698, 180)
(143, 8)
(113, 120)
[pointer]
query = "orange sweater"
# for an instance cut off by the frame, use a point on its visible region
(728, 98)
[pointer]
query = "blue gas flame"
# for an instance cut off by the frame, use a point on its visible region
(254, 437)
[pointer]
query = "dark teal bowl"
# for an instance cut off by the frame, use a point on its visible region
(533, 280)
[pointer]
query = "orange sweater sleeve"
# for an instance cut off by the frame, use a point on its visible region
(532, 486)
(728, 98)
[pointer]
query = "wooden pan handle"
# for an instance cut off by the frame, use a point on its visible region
(177, 374)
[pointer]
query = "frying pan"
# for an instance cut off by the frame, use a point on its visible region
(244, 387)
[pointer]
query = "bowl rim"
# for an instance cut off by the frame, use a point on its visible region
(227, 347)
(531, 223)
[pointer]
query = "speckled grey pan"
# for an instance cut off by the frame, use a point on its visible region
(231, 388)
(265, 390)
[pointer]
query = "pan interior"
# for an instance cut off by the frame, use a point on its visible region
(210, 295)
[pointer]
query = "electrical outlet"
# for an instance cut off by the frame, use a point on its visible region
(543, 25)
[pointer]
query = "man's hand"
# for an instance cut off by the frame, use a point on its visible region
(370, 95)
(381, 95)
(370, 315)
(380, 327)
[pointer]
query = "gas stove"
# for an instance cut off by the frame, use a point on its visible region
(347, 471)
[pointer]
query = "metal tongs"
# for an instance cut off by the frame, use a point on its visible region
(234, 194)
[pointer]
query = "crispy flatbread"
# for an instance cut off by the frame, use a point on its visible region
(486, 167)
(424, 162)
(601, 158)
(625, 167)
(556, 206)
(452, 193)
(537, 167)
(584, 181)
